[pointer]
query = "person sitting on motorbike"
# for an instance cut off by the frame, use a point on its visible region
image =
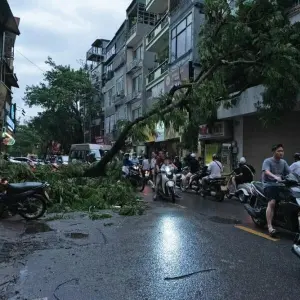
(244, 173)
(134, 159)
(158, 164)
(295, 167)
(178, 163)
(273, 169)
(127, 163)
(215, 168)
(194, 168)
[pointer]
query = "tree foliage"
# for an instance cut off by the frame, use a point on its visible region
(60, 93)
(240, 46)
(27, 141)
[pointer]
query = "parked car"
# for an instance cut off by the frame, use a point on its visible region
(25, 160)
(63, 160)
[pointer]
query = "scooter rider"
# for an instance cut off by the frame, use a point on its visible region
(158, 164)
(244, 173)
(215, 168)
(194, 168)
(127, 163)
(273, 169)
(295, 167)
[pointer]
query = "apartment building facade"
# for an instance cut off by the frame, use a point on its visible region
(9, 30)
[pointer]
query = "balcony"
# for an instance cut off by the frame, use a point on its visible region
(120, 98)
(136, 95)
(156, 6)
(109, 110)
(294, 11)
(134, 65)
(157, 74)
(158, 37)
(137, 32)
(95, 54)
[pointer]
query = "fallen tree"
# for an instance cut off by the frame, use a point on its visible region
(250, 44)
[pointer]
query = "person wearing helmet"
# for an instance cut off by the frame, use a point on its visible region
(295, 167)
(194, 168)
(215, 168)
(244, 173)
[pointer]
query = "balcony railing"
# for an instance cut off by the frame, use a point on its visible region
(157, 29)
(95, 50)
(135, 64)
(157, 72)
(132, 31)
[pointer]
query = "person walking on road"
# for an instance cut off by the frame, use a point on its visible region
(273, 169)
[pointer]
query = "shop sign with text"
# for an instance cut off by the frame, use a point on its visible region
(216, 131)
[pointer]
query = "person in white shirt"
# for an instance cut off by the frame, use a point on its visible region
(145, 164)
(215, 168)
(295, 167)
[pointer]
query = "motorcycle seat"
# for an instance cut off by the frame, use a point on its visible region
(217, 179)
(259, 186)
(24, 186)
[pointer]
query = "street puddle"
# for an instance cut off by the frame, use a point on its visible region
(76, 235)
(221, 220)
(37, 227)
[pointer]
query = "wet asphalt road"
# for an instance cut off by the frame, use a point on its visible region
(191, 250)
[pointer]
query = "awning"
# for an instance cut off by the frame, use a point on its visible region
(7, 20)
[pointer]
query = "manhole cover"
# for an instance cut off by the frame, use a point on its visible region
(37, 227)
(221, 220)
(76, 235)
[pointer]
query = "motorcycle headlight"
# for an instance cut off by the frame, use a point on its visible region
(169, 175)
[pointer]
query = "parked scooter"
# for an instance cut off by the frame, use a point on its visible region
(28, 199)
(166, 189)
(286, 211)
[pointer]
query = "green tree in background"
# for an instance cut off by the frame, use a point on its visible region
(27, 141)
(60, 94)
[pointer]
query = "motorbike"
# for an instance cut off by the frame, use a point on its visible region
(181, 176)
(215, 187)
(28, 199)
(286, 211)
(194, 181)
(244, 192)
(166, 189)
(133, 174)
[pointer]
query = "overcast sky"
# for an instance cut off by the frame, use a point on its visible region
(62, 29)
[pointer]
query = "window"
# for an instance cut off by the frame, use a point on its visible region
(120, 85)
(138, 53)
(136, 113)
(137, 83)
(110, 94)
(111, 52)
(109, 67)
(181, 38)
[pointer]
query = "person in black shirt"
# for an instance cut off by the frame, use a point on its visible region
(244, 173)
(178, 163)
(194, 168)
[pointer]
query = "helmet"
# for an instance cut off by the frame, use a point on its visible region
(193, 155)
(297, 156)
(215, 156)
(242, 160)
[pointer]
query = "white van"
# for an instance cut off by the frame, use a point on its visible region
(80, 152)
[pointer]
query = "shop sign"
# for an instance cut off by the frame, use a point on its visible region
(160, 132)
(10, 124)
(216, 131)
(181, 73)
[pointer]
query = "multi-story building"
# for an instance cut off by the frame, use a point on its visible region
(94, 119)
(174, 42)
(114, 82)
(9, 29)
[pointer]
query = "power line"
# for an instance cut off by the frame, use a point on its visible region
(30, 61)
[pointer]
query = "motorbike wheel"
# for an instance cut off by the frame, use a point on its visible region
(33, 211)
(172, 194)
(220, 197)
(242, 197)
(259, 223)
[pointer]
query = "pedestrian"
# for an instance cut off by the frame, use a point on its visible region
(145, 165)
